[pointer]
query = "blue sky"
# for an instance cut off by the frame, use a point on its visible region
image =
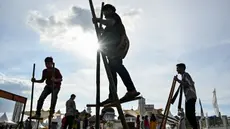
(162, 34)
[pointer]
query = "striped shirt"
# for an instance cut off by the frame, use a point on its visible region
(189, 91)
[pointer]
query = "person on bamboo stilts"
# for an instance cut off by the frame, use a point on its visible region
(188, 86)
(49, 78)
(114, 44)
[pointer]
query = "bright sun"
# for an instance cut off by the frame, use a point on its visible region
(88, 45)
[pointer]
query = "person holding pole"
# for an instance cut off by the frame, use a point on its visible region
(188, 87)
(50, 79)
(114, 44)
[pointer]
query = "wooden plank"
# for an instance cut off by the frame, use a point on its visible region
(13, 97)
(33, 118)
(6, 95)
(122, 101)
(167, 107)
(19, 99)
(114, 103)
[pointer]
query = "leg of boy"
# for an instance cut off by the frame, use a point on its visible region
(55, 97)
(114, 75)
(190, 112)
(70, 121)
(124, 74)
(44, 94)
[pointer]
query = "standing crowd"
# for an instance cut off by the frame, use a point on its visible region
(146, 123)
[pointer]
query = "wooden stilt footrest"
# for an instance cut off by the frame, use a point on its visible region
(114, 103)
(35, 118)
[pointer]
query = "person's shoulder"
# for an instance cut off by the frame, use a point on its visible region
(186, 74)
(117, 16)
(44, 70)
(69, 100)
(56, 69)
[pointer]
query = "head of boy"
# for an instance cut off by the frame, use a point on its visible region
(108, 9)
(49, 62)
(180, 68)
(73, 96)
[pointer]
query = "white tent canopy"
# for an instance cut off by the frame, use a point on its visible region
(9, 122)
(4, 120)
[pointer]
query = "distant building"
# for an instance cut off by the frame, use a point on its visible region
(141, 106)
(130, 118)
(89, 110)
(17, 112)
(108, 114)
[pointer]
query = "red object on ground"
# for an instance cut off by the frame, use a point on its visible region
(63, 122)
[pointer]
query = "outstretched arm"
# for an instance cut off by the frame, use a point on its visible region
(41, 80)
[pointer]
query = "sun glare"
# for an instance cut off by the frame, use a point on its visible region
(89, 46)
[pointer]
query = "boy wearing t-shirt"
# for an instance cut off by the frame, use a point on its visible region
(50, 79)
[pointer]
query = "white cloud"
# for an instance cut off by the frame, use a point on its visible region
(14, 85)
(71, 30)
(130, 18)
(6, 79)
